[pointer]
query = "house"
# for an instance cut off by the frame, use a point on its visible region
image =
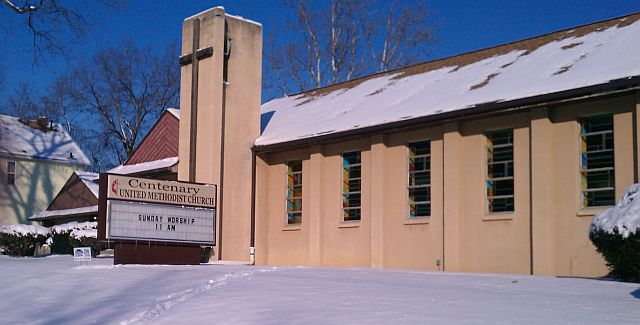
(76, 201)
(36, 159)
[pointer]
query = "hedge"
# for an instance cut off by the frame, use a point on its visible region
(21, 240)
(622, 254)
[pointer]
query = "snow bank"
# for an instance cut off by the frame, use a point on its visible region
(24, 230)
(73, 226)
(180, 294)
(625, 216)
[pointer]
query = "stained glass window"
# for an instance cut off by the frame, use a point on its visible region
(500, 179)
(294, 192)
(597, 161)
(419, 189)
(351, 186)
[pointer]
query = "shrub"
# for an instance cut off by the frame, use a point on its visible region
(616, 234)
(60, 234)
(21, 240)
(622, 254)
(205, 254)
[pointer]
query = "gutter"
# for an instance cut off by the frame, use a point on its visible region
(613, 87)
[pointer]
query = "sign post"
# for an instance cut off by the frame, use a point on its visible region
(155, 221)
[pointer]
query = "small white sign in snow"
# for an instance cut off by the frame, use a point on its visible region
(82, 254)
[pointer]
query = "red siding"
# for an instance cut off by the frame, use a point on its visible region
(161, 141)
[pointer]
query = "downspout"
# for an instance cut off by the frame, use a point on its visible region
(444, 208)
(530, 199)
(252, 248)
(634, 123)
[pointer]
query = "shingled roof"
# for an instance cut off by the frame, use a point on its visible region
(49, 141)
(595, 54)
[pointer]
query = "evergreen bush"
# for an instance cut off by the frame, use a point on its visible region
(616, 234)
(21, 240)
(622, 254)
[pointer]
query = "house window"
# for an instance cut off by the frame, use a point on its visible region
(419, 168)
(351, 186)
(500, 171)
(294, 192)
(11, 172)
(597, 167)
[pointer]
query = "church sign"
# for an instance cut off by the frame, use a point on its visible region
(156, 210)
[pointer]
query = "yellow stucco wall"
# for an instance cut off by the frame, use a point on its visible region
(36, 184)
(548, 220)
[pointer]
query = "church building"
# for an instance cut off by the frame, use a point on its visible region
(490, 161)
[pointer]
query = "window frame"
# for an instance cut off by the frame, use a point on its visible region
(288, 189)
(342, 191)
(409, 187)
(583, 187)
(11, 175)
(488, 136)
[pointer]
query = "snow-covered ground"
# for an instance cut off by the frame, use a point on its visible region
(56, 290)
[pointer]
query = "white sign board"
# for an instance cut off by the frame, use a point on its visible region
(82, 254)
(159, 222)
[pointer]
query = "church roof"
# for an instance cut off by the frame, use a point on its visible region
(161, 141)
(45, 141)
(603, 53)
(147, 166)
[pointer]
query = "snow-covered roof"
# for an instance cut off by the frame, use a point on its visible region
(175, 112)
(20, 140)
(145, 166)
(221, 8)
(586, 56)
(57, 214)
(90, 180)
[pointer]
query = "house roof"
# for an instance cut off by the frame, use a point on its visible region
(590, 55)
(64, 213)
(90, 180)
(54, 144)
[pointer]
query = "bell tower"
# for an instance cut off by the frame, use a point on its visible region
(220, 89)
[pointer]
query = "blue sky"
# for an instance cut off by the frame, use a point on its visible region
(461, 26)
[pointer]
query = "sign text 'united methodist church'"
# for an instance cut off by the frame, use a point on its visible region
(156, 210)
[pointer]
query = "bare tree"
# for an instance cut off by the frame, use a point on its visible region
(125, 89)
(337, 41)
(52, 23)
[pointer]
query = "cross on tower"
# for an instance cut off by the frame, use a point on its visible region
(193, 58)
